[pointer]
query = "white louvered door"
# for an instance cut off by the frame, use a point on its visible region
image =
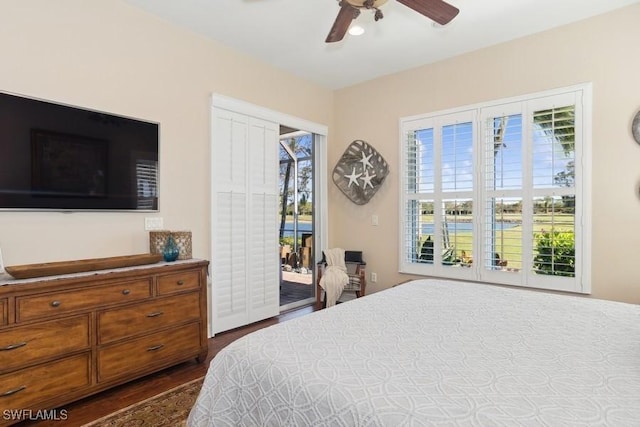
(244, 177)
(263, 247)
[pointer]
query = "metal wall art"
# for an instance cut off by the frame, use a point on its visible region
(360, 172)
(635, 127)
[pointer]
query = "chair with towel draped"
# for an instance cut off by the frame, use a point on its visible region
(339, 271)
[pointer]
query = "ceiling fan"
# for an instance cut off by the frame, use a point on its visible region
(437, 10)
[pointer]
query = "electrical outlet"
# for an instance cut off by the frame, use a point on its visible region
(153, 223)
(374, 220)
(374, 277)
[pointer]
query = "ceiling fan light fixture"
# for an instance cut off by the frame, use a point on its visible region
(364, 4)
(356, 30)
(436, 10)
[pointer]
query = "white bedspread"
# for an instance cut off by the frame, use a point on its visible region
(434, 353)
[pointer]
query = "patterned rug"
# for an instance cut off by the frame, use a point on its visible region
(170, 409)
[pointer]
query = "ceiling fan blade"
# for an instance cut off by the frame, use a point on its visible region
(437, 10)
(340, 26)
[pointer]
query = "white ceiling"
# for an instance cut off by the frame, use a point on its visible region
(290, 34)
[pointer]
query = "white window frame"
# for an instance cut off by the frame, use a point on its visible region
(581, 282)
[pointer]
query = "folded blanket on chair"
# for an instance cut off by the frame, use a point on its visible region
(335, 277)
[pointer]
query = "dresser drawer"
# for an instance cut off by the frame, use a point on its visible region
(146, 352)
(3, 312)
(147, 316)
(24, 344)
(87, 298)
(21, 389)
(172, 283)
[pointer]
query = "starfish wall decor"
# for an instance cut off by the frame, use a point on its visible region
(360, 172)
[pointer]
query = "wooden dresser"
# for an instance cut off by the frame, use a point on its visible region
(66, 337)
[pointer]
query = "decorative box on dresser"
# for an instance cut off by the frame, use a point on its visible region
(63, 338)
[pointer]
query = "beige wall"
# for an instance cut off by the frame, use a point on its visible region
(109, 56)
(602, 50)
(113, 57)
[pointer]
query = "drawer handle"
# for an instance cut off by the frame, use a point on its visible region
(55, 303)
(180, 282)
(14, 391)
(126, 292)
(155, 314)
(13, 346)
(155, 347)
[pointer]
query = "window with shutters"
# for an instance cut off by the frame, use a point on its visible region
(498, 192)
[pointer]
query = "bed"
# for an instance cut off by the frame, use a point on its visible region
(434, 353)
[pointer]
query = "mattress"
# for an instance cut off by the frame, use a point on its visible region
(434, 353)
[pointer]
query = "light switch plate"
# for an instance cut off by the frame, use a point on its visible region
(153, 223)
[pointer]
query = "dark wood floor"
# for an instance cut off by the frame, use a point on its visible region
(99, 405)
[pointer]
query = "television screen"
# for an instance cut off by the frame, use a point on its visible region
(63, 158)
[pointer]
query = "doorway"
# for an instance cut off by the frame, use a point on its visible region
(296, 230)
(245, 260)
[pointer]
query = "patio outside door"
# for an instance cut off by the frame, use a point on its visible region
(296, 233)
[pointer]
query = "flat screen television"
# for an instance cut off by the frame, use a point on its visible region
(57, 157)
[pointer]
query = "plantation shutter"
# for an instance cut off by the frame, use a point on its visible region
(556, 183)
(504, 169)
(244, 250)
(264, 260)
(506, 204)
(438, 187)
(529, 193)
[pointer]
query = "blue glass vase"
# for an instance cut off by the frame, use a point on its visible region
(171, 250)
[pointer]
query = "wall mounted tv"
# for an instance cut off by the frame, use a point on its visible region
(57, 157)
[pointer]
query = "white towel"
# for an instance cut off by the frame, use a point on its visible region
(335, 277)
